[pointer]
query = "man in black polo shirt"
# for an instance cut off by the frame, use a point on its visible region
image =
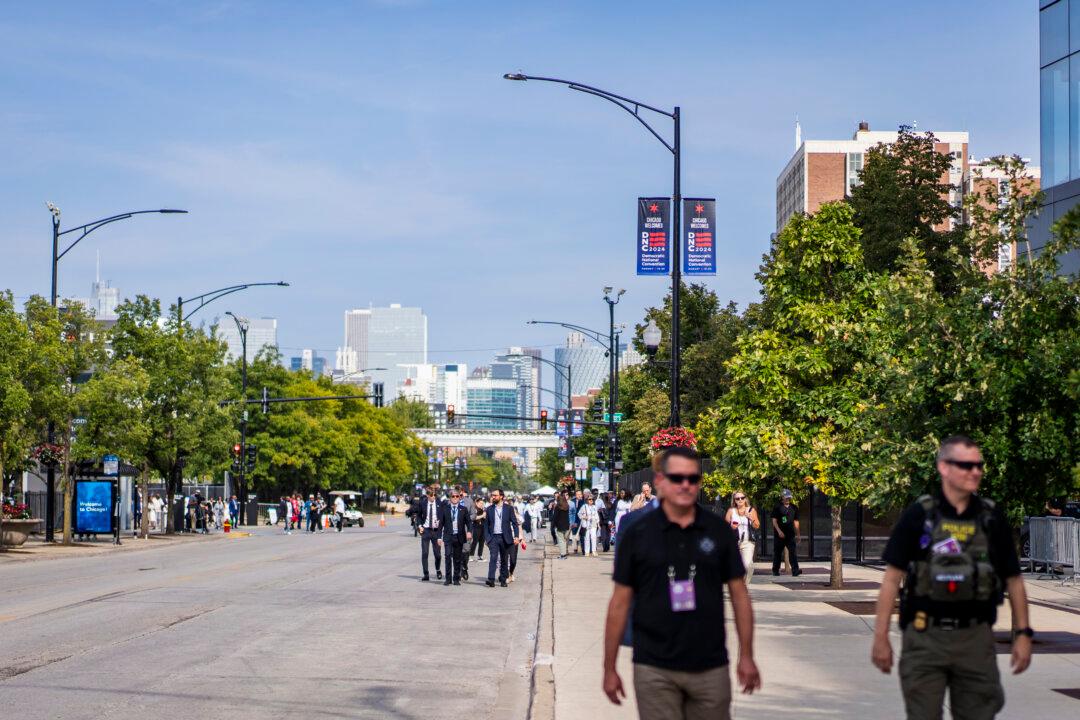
(956, 551)
(671, 565)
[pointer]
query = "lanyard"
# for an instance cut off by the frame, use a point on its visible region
(671, 555)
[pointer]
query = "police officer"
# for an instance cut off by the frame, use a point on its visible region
(955, 553)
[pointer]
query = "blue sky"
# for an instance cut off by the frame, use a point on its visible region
(370, 152)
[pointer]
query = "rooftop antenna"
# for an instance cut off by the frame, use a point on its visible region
(798, 133)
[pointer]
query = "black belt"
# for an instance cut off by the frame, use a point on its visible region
(948, 623)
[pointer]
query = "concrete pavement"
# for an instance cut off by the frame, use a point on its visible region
(335, 625)
(813, 655)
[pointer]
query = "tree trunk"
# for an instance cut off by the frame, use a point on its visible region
(69, 486)
(170, 494)
(2, 449)
(836, 566)
(144, 491)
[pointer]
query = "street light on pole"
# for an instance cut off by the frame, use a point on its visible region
(613, 361)
(635, 107)
(242, 326)
(83, 230)
(209, 297)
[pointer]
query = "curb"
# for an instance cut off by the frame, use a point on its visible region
(542, 700)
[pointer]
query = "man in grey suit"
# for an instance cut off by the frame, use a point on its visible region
(501, 530)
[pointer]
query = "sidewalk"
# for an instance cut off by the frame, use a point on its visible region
(35, 549)
(812, 646)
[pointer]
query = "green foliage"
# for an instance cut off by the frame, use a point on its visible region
(16, 367)
(411, 413)
(903, 195)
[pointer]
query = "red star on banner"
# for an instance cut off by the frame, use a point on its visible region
(654, 208)
(699, 208)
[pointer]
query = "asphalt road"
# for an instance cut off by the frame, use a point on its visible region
(329, 625)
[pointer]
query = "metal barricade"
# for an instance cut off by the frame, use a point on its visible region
(1055, 544)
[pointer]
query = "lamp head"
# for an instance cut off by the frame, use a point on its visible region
(283, 284)
(651, 336)
(53, 209)
(515, 76)
(167, 211)
(608, 289)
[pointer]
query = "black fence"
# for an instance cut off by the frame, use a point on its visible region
(863, 531)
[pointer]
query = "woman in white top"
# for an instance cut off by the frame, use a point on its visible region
(621, 508)
(589, 520)
(744, 521)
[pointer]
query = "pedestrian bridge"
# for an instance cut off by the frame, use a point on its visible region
(476, 438)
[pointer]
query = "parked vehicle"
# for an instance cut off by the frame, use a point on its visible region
(352, 515)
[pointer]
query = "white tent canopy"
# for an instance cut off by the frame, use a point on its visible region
(545, 491)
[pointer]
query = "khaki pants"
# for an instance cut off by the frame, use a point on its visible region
(964, 661)
(746, 550)
(672, 695)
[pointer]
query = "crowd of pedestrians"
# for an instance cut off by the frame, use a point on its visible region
(311, 515)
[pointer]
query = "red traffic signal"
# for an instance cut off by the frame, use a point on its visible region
(236, 449)
(543, 419)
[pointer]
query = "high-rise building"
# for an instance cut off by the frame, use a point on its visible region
(396, 336)
(824, 171)
(309, 360)
(588, 364)
(262, 332)
(526, 369)
(1059, 112)
(353, 356)
(492, 391)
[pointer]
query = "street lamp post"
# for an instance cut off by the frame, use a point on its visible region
(209, 297)
(635, 107)
(57, 233)
(242, 326)
(613, 364)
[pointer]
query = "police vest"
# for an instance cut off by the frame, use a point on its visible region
(955, 577)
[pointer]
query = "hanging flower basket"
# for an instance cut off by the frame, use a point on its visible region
(49, 455)
(673, 437)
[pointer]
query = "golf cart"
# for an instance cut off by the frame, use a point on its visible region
(352, 515)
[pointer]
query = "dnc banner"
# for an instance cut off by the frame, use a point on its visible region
(699, 249)
(652, 238)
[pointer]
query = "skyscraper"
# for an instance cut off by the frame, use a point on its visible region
(1059, 113)
(526, 368)
(262, 332)
(396, 336)
(490, 391)
(353, 356)
(589, 366)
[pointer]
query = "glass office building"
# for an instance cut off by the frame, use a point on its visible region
(588, 363)
(492, 396)
(1059, 113)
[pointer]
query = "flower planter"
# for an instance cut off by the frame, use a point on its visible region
(15, 532)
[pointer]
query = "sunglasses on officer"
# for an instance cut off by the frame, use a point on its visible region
(680, 478)
(967, 464)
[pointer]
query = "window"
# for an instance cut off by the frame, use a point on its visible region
(854, 167)
(1004, 256)
(1054, 113)
(1054, 32)
(1074, 112)
(1003, 193)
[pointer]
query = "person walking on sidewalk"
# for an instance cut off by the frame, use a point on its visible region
(956, 550)
(560, 522)
(744, 521)
(786, 534)
(234, 511)
(429, 533)
(664, 558)
(502, 531)
(589, 519)
(478, 529)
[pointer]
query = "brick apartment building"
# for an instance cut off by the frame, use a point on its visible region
(824, 171)
(982, 176)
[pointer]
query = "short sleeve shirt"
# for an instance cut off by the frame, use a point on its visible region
(785, 517)
(691, 641)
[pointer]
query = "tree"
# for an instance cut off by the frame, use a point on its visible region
(549, 467)
(16, 361)
(790, 416)
(119, 420)
(186, 383)
(903, 193)
(411, 413)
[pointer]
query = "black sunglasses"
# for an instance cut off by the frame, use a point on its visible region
(967, 464)
(679, 478)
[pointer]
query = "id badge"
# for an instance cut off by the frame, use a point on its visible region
(682, 595)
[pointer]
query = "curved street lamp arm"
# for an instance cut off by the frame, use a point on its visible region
(634, 112)
(591, 334)
(92, 226)
(594, 90)
(209, 297)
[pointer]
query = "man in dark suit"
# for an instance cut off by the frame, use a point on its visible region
(466, 504)
(455, 532)
(501, 530)
(430, 535)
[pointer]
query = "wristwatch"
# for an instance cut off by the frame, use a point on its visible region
(1023, 631)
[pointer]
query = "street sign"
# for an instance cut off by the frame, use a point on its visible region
(110, 465)
(618, 417)
(581, 463)
(568, 467)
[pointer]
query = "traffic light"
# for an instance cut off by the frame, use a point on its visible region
(600, 448)
(236, 457)
(450, 415)
(265, 401)
(543, 419)
(598, 408)
(252, 457)
(377, 392)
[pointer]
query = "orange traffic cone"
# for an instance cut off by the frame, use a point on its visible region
(382, 520)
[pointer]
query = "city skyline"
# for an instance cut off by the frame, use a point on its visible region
(474, 172)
